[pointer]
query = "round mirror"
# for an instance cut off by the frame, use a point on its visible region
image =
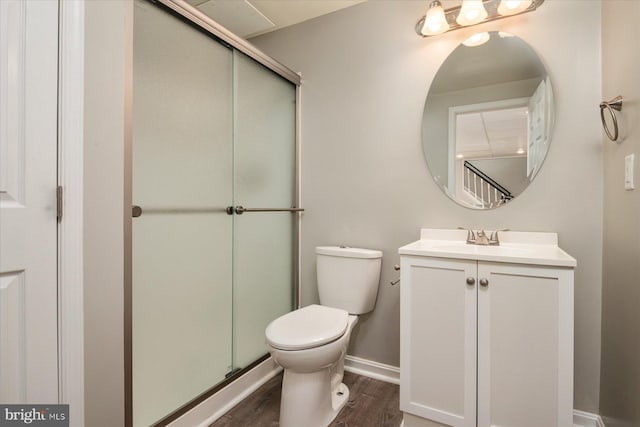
(487, 120)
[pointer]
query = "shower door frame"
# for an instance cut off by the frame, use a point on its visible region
(193, 16)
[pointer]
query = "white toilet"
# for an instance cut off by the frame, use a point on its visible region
(310, 343)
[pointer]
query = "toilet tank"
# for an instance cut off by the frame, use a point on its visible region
(348, 278)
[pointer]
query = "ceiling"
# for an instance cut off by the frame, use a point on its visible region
(250, 18)
(491, 134)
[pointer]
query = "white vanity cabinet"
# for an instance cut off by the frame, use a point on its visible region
(486, 333)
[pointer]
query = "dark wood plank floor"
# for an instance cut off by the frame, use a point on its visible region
(371, 403)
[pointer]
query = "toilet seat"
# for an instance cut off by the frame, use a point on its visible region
(308, 327)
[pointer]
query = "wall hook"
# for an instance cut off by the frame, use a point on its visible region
(610, 106)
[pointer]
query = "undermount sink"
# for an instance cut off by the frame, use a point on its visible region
(516, 246)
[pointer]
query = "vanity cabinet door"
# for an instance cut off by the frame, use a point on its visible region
(438, 340)
(525, 345)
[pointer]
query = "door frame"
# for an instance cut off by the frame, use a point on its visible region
(70, 227)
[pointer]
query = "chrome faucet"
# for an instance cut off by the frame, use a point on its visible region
(480, 237)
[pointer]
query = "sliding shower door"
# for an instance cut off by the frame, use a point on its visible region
(265, 178)
(182, 241)
(213, 162)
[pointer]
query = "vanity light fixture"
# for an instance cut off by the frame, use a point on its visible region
(512, 7)
(472, 12)
(434, 22)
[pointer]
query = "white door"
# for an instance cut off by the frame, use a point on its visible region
(525, 345)
(438, 339)
(28, 264)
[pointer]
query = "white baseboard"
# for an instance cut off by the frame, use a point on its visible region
(371, 369)
(220, 403)
(586, 419)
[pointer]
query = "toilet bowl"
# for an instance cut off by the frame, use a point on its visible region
(312, 389)
(310, 343)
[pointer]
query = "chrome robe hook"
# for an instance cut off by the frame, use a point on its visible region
(610, 106)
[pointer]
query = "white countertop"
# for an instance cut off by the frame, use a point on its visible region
(515, 247)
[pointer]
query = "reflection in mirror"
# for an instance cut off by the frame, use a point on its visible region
(487, 120)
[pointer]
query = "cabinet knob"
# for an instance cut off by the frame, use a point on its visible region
(484, 283)
(471, 281)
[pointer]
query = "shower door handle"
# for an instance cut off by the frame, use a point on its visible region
(239, 210)
(138, 211)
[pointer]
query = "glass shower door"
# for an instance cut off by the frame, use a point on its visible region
(182, 240)
(212, 131)
(265, 177)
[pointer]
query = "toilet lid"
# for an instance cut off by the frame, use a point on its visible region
(308, 327)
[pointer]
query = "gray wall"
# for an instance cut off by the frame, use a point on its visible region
(364, 179)
(620, 383)
(105, 54)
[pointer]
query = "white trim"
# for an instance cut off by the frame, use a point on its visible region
(220, 403)
(586, 419)
(70, 176)
(371, 369)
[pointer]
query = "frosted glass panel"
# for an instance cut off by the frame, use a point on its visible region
(182, 243)
(264, 141)
(211, 129)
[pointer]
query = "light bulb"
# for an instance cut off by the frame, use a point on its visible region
(476, 40)
(472, 12)
(435, 22)
(511, 7)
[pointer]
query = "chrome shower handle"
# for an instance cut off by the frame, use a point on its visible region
(239, 210)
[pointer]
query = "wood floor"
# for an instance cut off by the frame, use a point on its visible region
(371, 403)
